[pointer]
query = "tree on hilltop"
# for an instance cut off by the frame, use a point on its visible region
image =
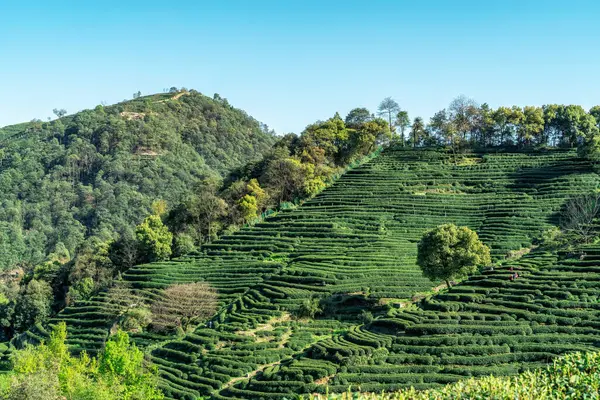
(417, 132)
(450, 252)
(403, 122)
(389, 108)
(59, 112)
(357, 116)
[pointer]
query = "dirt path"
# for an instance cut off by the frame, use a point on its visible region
(285, 338)
(178, 95)
(439, 287)
(252, 374)
(175, 97)
(266, 327)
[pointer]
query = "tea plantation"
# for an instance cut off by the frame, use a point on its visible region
(353, 248)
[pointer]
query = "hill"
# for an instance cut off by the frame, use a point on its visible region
(347, 256)
(95, 174)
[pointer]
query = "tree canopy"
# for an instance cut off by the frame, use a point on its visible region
(50, 372)
(465, 123)
(96, 173)
(449, 252)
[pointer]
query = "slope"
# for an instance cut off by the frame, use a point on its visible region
(488, 325)
(97, 172)
(353, 246)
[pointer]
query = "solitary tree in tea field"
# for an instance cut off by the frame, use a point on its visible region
(450, 252)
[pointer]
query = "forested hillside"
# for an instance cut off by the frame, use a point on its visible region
(129, 184)
(96, 173)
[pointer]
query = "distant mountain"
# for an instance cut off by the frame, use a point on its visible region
(97, 172)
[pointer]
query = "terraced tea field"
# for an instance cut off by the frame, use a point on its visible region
(486, 325)
(354, 245)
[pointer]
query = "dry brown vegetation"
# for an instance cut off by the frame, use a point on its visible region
(183, 305)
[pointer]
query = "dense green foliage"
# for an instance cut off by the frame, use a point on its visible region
(451, 252)
(296, 168)
(550, 125)
(154, 238)
(115, 165)
(96, 173)
(76, 192)
(466, 124)
(574, 376)
(50, 372)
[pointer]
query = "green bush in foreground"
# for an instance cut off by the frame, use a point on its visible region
(574, 376)
(49, 372)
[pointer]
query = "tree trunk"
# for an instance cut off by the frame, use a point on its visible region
(447, 283)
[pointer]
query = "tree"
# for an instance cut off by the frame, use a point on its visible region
(183, 306)
(589, 142)
(450, 252)
(9, 293)
(254, 189)
(132, 312)
(501, 117)
(403, 122)
(285, 178)
(34, 305)
(579, 216)
(124, 253)
(440, 125)
(200, 213)
(91, 270)
(595, 112)
(121, 362)
(59, 112)
(324, 138)
(532, 125)
(591, 147)
(159, 207)
(154, 239)
(249, 207)
(574, 124)
(309, 308)
(463, 113)
(485, 125)
(552, 130)
(50, 372)
(183, 244)
(137, 95)
(356, 117)
(367, 136)
(389, 107)
(417, 131)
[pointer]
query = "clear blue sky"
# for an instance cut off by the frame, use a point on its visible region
(288, 63)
